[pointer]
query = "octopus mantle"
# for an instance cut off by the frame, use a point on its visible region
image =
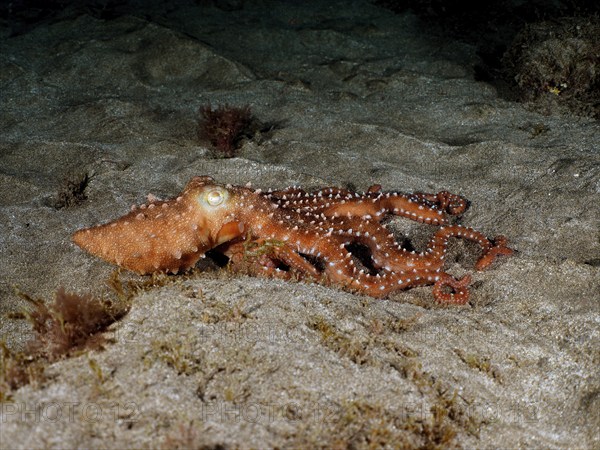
(332, 236)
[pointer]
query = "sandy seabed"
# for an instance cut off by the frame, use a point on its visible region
(356, 96)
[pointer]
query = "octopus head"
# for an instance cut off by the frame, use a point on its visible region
(170, 235)
(215, 209)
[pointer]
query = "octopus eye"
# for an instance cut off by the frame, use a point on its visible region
(215, 197)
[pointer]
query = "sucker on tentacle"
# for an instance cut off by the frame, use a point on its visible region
(293, 233)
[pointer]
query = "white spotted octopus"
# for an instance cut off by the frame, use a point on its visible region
(332, 236)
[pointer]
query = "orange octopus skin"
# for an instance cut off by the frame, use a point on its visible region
(307, 234)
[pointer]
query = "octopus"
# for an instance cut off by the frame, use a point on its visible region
(332, 236)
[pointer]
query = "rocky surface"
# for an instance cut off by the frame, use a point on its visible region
(355, 96)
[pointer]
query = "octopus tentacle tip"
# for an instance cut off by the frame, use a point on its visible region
(331, 236)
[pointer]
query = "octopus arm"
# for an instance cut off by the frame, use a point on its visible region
(446, 289)
(377, 205)
(436, 250)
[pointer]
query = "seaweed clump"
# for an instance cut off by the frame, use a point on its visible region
(72, 191)
(16, 370)
(225, 127)
(71, 324)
